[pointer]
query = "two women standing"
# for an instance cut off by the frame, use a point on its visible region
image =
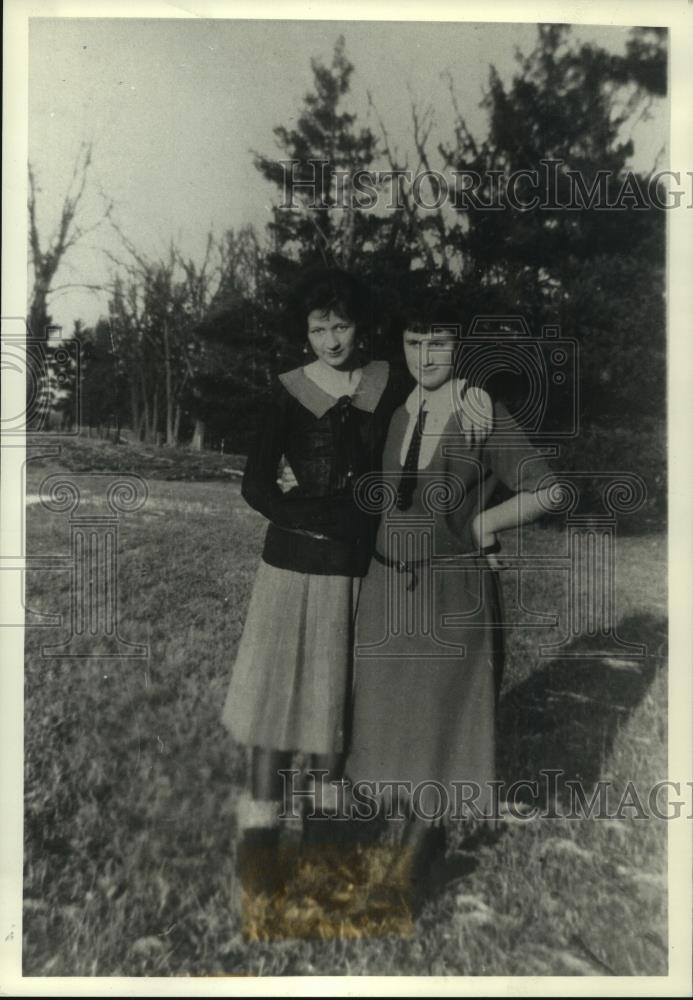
(423, 701)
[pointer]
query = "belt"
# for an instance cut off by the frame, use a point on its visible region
(402, 566)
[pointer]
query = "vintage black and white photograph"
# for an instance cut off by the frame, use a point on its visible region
(345, 596)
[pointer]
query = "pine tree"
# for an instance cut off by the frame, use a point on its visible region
(560, 120)
(318, 158)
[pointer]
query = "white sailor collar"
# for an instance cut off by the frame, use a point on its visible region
(366, 396)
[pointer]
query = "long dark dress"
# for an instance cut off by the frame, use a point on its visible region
(428, 655)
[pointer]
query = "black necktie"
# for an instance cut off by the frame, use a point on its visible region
(407, 483)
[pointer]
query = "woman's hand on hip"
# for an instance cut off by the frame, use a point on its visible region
(487, 541)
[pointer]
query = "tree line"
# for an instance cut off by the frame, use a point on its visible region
(188, 348)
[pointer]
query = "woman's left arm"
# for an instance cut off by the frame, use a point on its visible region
(522, 468)
(523, 508)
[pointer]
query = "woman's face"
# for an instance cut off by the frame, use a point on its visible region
(332, 337)
(430, 357)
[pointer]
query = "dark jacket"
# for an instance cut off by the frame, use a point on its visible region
(328, 443)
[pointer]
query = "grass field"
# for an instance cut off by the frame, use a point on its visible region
(130, 777)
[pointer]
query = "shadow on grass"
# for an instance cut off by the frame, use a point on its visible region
(566, 715)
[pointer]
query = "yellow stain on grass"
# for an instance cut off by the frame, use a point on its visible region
(333, 892)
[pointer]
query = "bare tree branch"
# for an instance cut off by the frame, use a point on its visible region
(46, 259)
(422, 131)
(77, 284)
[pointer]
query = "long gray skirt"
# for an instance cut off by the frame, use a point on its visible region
(427, 672)
(290, 687)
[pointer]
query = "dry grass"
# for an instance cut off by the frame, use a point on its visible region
(130, 784)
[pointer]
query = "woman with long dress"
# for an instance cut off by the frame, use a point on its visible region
(429, 638)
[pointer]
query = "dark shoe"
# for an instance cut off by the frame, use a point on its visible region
(257, 860)
(327, 820)
(420, 849)
(266, 858)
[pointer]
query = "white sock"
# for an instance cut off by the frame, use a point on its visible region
(256, 812)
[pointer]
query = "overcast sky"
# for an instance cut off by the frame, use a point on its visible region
(174, 109)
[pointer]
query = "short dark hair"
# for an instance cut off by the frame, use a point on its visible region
(429, 310)
(434, 310)
(327, 289)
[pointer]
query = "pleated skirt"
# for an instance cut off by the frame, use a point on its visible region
(291, 681)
